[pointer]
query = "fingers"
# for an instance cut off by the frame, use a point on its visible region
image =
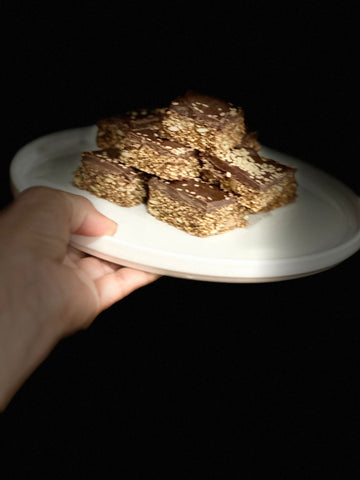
(112, 282)
(115, 286)
(95, 267)
(74, 255)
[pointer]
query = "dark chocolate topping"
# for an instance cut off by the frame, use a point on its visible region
(135, 120)
(194, 192)
(248, 167)
(108, 161)
(137, 139)
(205, 108)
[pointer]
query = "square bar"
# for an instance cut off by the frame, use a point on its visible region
(168, 159)
(101, 174)
(195, 206)
(262, 184)
(112, 130)
(203, 122)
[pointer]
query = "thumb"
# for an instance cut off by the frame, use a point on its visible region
(47, 217)
(86, 220)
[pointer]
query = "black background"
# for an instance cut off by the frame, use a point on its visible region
(185, 378)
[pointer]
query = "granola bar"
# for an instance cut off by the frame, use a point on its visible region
(195, 206)
(262, 184)
(203, 122)
(147, 151)
(112, 130)
(103, 175)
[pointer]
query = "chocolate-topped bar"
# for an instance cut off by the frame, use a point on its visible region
(195, 206)
(203, 122)
(261, 183)
(145, 150)
(102, 174)
(112, 130)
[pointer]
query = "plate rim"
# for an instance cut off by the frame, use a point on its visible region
(339, 252)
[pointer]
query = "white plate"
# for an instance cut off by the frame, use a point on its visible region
(319, 230)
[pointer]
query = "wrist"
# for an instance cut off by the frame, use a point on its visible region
(26, 338)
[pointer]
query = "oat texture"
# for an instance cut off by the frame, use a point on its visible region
(192, 220)
(111, 187)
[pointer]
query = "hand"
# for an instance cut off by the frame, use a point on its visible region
(49, 290)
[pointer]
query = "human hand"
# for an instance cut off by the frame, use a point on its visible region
(49, 290)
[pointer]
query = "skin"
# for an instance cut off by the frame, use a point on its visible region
(48, 290)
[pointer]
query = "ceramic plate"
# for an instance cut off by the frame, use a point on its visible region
(319, 230)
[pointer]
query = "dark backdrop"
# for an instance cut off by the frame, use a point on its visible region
(213, 377)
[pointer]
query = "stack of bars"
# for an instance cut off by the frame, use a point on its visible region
(195, 164)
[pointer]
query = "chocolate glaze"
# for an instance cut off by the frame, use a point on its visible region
(108, 161)
(135, 120)
(248, 167)
(194, 192)
(205, 108)
(137, 139)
